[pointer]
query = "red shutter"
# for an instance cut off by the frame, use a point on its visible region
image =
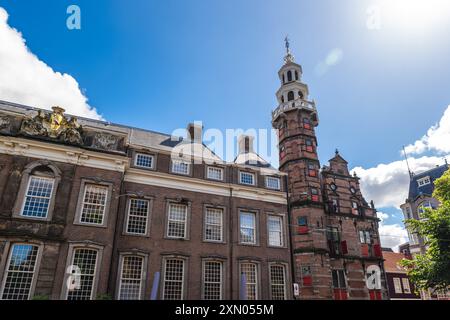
(302, 229)
(378, 294)
(344, 248)
(312, 173)
(377, 250)
(309, 148)
(365, 250)
(372, 294)
(307, 126)
(315, 198)
(307, 281)
(340, 294)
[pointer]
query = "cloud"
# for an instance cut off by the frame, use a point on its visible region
(393, 235)
(27, 80)
(387, 184)
(436, 139)
(333, 58)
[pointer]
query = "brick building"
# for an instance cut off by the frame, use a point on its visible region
(335, 240)
(89, 208)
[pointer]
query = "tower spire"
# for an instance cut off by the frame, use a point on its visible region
(289, 57)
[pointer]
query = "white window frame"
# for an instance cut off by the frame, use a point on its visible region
(423, 181)
(254, 242)
(218, 169)
(177, 221)
(406, 286)
(152, 161)
(426, 204)
(165, 276)
(278, 285)
(35, 268)
(204, 280)
(256, 283)
(220, 225)
(243, 173)
(130, 215)
(95, 273)
(26, 196)
(179, 162)
(83, 203)
(278, 182)
(397, 285)
(281, 231)
(141, 279)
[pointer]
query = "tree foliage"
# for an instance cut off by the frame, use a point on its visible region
(431, 270)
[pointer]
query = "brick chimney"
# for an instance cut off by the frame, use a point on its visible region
(195, 131)
(245, 144)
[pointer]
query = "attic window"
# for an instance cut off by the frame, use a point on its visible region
(424, 181)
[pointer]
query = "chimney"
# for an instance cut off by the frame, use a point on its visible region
(245, 144)
(195, 131)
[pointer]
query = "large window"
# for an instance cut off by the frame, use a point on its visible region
(144, 161)
(173, 279)
(406, 287)
(212, 280)
(364, 236)
(247, 178)
(273, 183)
(176, 224)
(215, 173)
(94, 204)
(138, 210)
(248, 227)
(278, 282)
(250, 270)
(181, 167)
(213, 224)
(424, 181)
(20, 272)
(84, 261)
(131, 278)
(423, 206)
(275, 226)
(37, 197)
(397, 285)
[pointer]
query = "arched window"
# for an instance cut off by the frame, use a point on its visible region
(300, 95)
(296, 75)
(37, 191)
(282, 99)
(290, 95)
(284, 79)
(289, 75)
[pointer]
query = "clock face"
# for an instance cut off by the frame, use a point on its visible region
(333, 187)
(352, 190)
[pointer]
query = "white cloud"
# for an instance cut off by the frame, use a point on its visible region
(333, 58)
(436, 139)
(27, 80)
(387, 184)
(391, 235)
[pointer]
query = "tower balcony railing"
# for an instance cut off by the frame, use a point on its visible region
(293, 104)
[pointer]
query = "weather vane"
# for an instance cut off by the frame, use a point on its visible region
(286, 40)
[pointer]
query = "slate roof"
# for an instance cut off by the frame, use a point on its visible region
(435, 173)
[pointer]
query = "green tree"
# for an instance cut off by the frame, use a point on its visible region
(431, 270)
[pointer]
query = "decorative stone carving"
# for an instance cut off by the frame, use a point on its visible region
(5, 122)
(105, 141)
(54, 125)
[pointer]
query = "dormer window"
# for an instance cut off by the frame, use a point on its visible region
(247, 178)
(273, 183)
(144, 161)
(215, 173)
(180, 167)
(423, 181)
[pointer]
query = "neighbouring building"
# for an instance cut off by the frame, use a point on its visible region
(399, 286)
(91, 209)
(420, 197)
(335, 240)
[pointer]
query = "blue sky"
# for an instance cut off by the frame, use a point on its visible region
(161, 64)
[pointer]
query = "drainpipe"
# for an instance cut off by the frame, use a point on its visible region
(290, 235)
(230, 231)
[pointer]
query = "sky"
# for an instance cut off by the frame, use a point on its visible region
(377, 69)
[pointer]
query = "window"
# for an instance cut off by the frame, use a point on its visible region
(352, 190)
(176, 226)
(302, 225)
(306, 122)
(290, 95)
(19, 272)
(306, 276)
(407, 212)
(214, 224)
(247, 178)
(333, 238)
(289, 75)
(314, 194)
(296, 75)
(180, 167)
(273, 183)
(300, 94)
(138, 210)
(86, 260)
(275, 226)
(212, 280)
(364, 236)
(406, 287)
(94, 204)
(335, 207)
(37, 197)
(424, 181)
(423, 206)
(309, 145)
(397, 285)
(355, 208)
(131, 278)
(173, 279)
(339, 279)
(215, 173)
(278, 282)
(144, 160)
(248, 227)
(312, 171)
(250, 270)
